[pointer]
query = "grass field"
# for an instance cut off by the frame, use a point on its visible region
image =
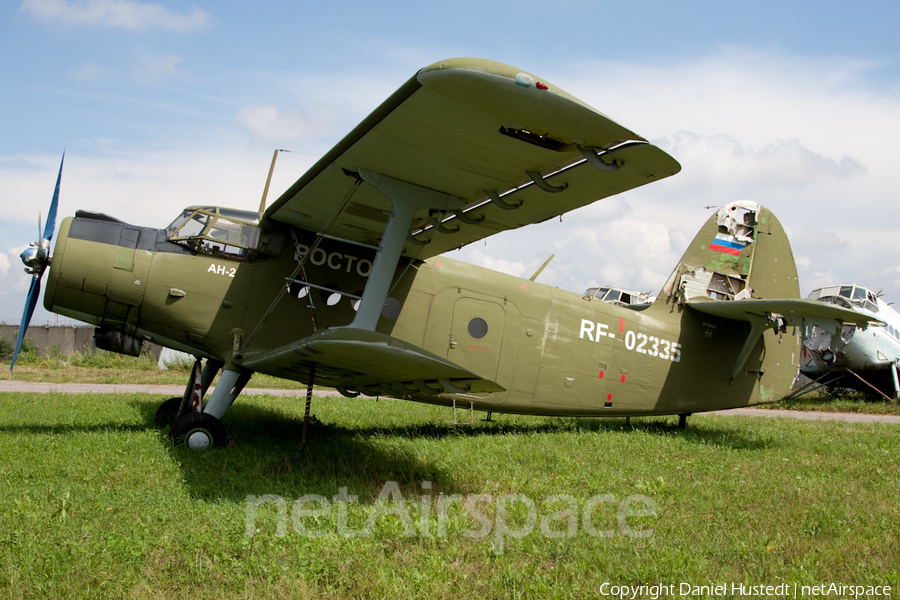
(107, 367)
(95, 502)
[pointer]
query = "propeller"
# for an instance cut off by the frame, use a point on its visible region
(37, 258)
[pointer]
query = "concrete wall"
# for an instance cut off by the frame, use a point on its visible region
(69, 339)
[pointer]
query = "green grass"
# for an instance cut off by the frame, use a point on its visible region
(108, 367)
(94, 502)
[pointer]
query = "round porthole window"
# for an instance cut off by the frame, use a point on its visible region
(330, 295)
(297, 290)
(478, 328)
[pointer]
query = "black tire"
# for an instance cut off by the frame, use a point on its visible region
(198, 431)
(167, 412)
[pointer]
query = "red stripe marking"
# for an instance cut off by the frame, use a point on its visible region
(622, 325)
(609, 397)
(623, 377)
(477, 347)
(601, 374)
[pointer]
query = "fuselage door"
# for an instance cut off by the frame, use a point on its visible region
(476, 336)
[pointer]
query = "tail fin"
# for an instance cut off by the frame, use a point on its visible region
(741, 252)
(740, 267)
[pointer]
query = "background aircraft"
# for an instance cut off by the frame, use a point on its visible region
(341, 282)
(866, 360)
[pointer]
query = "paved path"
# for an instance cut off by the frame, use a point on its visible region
(178, 390)
(128, 388)
(810, 415)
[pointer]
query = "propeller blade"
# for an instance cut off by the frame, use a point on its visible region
(51, 215)
(30, 303)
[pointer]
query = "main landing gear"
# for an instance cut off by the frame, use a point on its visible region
(194, 424)
(198, 431)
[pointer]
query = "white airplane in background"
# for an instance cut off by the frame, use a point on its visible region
(863, 359)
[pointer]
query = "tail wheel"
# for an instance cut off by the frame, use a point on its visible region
(198, 431)
(167, 412)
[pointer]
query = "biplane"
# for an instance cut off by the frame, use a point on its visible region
(344, 280)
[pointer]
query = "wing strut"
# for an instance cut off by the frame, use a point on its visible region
(406, 199)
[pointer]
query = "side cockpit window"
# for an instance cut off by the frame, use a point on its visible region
(216, 231)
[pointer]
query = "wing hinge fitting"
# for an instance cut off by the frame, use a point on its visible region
(462, 216)
(439, 225)
(542, 183)
(598, 163)
(495, 198)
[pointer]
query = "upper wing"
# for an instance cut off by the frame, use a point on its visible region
(473, 129)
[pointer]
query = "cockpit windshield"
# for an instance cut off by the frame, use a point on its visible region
(217, 231)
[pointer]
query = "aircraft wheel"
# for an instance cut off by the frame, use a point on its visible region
(167, 411)
(198, 431)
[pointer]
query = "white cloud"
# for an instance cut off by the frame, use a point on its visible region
(147, 188)
(511, 267)
(155, 68)
(722, 159)
(87, 71)
(124, 14)
(813, 139)
(807, 138)
(4, 264)
(270, 123)
(14, 278)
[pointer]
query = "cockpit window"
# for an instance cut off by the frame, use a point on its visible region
(848, 296)
(618, 296)
(217, 231)
(194, 226)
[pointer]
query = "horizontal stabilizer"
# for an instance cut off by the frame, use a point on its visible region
(762, 313)
(793, 311)
(368, 362)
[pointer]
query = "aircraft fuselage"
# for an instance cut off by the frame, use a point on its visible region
(555, 352)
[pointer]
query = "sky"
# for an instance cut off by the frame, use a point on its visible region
(163, 105)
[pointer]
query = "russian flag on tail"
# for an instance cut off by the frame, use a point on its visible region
(727, 244)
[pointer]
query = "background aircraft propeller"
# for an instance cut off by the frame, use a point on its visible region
(37, 258)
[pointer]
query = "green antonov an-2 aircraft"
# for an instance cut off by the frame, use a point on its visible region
(341, 281)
